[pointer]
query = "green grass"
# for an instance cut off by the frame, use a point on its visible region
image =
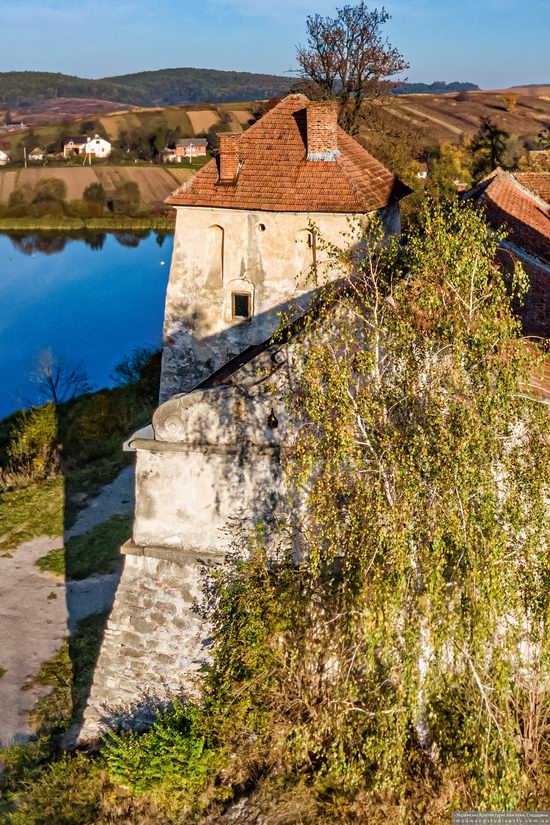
(69, 673)
(64, 223)
(33, 511)
(94, 552)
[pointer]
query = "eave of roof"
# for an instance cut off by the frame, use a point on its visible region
(275, 175)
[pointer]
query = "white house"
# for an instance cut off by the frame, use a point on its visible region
(37, 154)
(191, 148)
(4, 157)
(98, 146)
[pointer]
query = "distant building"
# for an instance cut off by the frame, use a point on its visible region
(98, 146)
(74, 146)
(169, 155)
(4, 157)
(37, 154)
(191, 148)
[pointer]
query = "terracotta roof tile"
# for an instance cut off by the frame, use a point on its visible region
(276, 176)
(511, 205)
(536, 182)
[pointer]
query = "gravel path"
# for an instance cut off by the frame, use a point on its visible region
(37, 610)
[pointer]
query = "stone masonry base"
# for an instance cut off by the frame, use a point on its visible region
(155, 642)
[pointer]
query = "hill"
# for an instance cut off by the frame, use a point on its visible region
(435, 88)
(450, 117)
(156, 88)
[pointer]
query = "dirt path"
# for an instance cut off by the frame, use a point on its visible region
(454, 129)
(37, 609)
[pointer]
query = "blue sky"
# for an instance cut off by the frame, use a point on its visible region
(491, 42)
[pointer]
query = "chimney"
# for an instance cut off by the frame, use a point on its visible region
(229, 157)
(322, 130)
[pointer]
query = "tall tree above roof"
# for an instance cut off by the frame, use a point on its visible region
(347, 58)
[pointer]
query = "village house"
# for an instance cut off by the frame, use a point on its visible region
(37, 154)
(520, 204)
(245, 249)
(191, 148)
(4, 157)
(169, 155)
(74, 146)
(423, 171)
(98, 146)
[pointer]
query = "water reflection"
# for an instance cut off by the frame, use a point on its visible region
(89, 297)
(52, 243)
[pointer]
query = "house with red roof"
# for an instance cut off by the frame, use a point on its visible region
(519, 204)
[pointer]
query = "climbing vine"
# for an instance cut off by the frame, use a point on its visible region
(413, 639)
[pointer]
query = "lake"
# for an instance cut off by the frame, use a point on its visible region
(90, 300)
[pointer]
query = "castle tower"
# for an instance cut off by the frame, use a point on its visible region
(245, 249)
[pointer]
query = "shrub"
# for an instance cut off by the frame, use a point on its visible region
(126, 199)
(510, 102)
(141, 369)
(172, 760)
(50, 189)
(23, 196)
(33, 447)
(95, 199)
(99, 416)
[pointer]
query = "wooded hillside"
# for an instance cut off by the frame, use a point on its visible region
(156, 88)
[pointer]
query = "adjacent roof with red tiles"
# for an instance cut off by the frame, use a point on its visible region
(524, 215)
(536, 182)
(276, 176)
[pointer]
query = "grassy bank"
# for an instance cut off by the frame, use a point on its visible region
(70, 451)
(62, 223)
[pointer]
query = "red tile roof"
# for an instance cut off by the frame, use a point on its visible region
(536, 182)
(509, 204)
(275, 175)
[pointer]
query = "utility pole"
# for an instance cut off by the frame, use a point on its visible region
(25, 155)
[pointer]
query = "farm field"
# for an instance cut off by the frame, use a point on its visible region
(155, 183)
(192, 121)
(447, 117)
(440, 117)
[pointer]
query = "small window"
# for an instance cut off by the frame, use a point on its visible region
(261, 227)
(241, 305)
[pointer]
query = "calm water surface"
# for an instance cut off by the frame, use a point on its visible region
(90, 300)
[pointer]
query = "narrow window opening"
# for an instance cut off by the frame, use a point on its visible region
(241, 305)
(261, 227)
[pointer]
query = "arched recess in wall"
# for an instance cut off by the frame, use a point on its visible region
(306, 243)
(215, 254)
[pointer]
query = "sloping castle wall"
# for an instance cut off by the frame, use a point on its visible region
(213, 465)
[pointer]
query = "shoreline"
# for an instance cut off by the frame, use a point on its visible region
(66, 224)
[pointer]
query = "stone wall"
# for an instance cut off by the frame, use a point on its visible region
(155, 642)
(212, 468)
(266, 255)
